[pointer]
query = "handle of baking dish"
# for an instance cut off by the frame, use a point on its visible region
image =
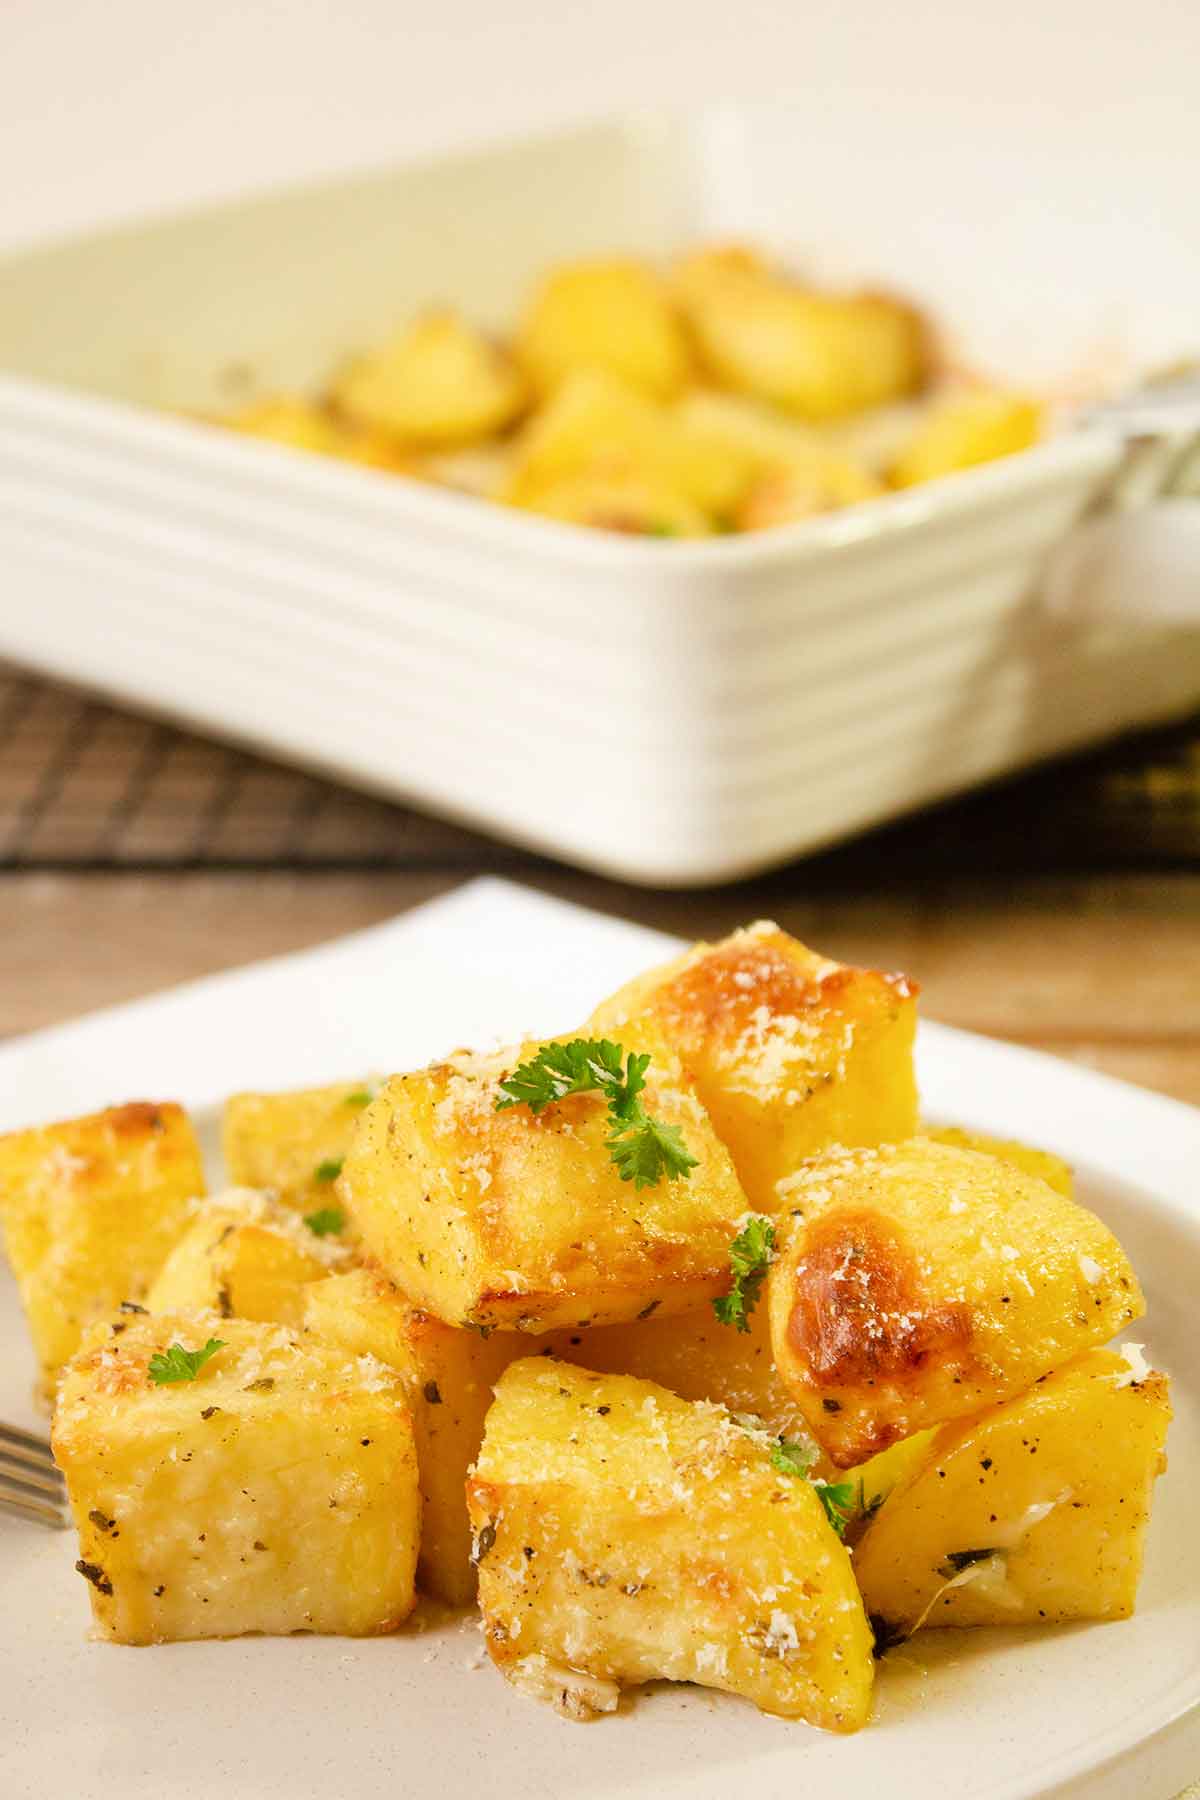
(1137, 557)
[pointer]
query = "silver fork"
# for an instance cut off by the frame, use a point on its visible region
(30, 1484)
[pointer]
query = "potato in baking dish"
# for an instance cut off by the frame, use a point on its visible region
(919, 1282)
(246, 1256)
(292, 1142)
(506, 1220)
(790, 1052)
(449, 1376)
(625, 1535)
(274, 1491)
(1032, 1512)
(90, 1207)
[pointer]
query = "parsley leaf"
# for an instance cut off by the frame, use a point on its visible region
(643, 1149)
(838, 1500)
(328, 1171)
(791, 1457)
(178, 1364)
(360, 1097)
(750, 1255)
(327, 1222)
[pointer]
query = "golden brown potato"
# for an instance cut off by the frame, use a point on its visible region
(462, 1206)
(921, 1282)
(1034, 1511)
(790, 1052)
(819, 355)
(303, 425)
(626, 504)
(244, 1256)
(274, 1491)
(624, 1535)
(780, 470)
(977, 426)
(90, 1208)
(614, 315)
(293, 1142)
(1043, 1163)
(449, 1376)
(599, 428)
(438, 383)
(698, 1358)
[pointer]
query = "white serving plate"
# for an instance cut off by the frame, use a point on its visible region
(1110, 1712)
(669, 713)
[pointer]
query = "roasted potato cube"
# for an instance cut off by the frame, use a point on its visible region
(816, 354)
(244, 1256)
(790, 1052)
(449, 1375)
(294, 1142)
(1043, 1163)
(639, 508)
(275, 1491)
(625, 1535)
(966, 429)
(90, 1208)
(301, 425)
(784, 471)
(614, 315)
(698, 1358)
(463, 1205)
(598, 426)
(1035, 1510)
(438, 383)
(921, 1282)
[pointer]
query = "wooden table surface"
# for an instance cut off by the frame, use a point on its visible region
(1061, 912)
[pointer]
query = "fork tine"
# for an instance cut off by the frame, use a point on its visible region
(40, 1512)
(25, 1444)
(29, 1476)
(22, 1461)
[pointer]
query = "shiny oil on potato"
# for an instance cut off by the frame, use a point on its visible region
(276, 1491)
(1032, 1512)
(90, 1207)
(461, 1203)
(790, 1052)
(919, 1282)
(625, 1535)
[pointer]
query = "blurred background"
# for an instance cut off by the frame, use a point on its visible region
(1060, 907)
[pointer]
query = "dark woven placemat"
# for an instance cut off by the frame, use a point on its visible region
(83, 784)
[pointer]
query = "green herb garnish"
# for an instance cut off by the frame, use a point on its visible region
(749, 1257)
(360, 1097)
(178, 1364)
(838, 1501)
(327, 1222)
(791, 1457)
(328, 1171)
(643, 1149)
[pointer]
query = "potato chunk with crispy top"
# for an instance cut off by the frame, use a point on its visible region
(276, 1491)
(921, 1282)
(449, 1375)
(244, 1256)
(510, 1221)
(1034, 1511)
(439, 382)
(790, 1052)
(625, 1535)
(293, 1142)
(614, 315)
(90, 1208)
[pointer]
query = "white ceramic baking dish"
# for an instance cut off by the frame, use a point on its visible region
(669, 712)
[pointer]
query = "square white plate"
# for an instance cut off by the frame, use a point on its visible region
(1109, 1711)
